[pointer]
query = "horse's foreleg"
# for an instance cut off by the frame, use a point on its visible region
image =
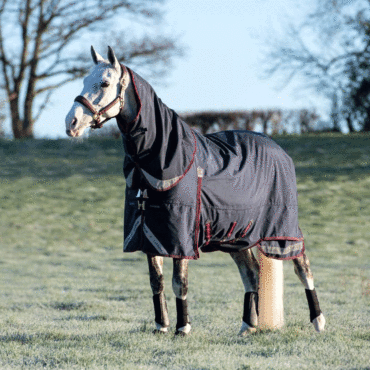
(180, 288)
(248, 269)
(162, 321)
(303, 271)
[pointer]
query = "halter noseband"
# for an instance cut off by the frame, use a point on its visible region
(97, 114)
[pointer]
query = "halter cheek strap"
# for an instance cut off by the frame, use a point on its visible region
(97, 114)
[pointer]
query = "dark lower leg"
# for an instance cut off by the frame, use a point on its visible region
(180, 288)
(248, 269)
(160, 310)
(250, 312)
(303, 271)
(182, 313)
(313, 304)
(157, 284)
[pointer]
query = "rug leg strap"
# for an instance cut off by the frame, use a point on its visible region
(182, 313)
(313, 304)
(250, 314)
(160, 310)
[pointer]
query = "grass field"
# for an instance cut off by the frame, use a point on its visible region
(70, 299)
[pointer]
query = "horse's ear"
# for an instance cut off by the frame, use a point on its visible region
(96, 57)
(112, 58)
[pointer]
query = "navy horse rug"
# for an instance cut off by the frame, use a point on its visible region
(187, 192)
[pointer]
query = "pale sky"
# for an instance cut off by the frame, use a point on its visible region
(221, 69)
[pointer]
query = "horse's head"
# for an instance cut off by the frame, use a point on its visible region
(102, 95)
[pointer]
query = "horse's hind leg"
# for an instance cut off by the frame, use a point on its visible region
(248, 269)
(180, 288)
(303, 271)
(162, 321)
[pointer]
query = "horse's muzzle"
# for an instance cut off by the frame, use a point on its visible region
(72, 133)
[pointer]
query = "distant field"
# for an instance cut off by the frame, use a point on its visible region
(70, 299)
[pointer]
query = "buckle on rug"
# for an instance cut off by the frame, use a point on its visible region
(142, 197)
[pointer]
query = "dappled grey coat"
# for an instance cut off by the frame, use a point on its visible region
(187, 192)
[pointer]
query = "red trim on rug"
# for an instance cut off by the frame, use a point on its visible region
(224, 241)
(197, 215)
(244, 233)
(208, 233)
(258, 245)
(121, 123)
(137, 96)
(183, 175)
(231, 229)
(213, 246)
(214, 250)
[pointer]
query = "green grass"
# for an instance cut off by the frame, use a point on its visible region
(70, 299)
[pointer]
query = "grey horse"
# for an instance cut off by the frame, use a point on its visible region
(186, 192)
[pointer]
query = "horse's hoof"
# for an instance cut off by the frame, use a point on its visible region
(160, 332)
(319, 323)
(183, 331)
(159, 329)
(246, 329)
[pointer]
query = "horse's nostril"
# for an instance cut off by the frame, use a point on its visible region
(68, 132)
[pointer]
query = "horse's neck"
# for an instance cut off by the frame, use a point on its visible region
(130, 108)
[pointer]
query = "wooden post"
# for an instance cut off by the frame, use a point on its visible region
(270, 304)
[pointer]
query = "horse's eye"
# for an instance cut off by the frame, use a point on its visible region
(105, 84)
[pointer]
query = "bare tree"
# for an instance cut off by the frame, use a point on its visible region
(326, 52)
(40, 47)
(2, 117)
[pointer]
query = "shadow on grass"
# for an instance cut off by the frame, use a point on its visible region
(86, 318)
(68, 306)
(118, 298)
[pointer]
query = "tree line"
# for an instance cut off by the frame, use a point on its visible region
(327, 51)
(268, 121)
